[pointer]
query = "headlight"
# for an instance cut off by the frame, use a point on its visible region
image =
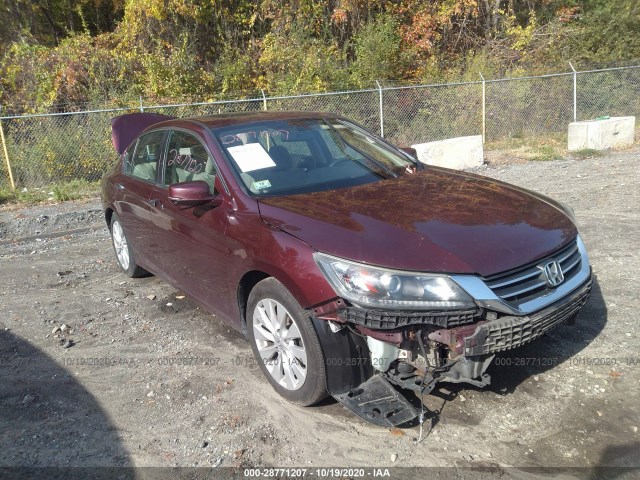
(384, 288)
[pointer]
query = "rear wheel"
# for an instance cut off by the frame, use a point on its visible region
(122, 249)
(285, 343)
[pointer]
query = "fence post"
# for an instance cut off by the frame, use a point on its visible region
(6, 153)
(141, 107)
(484, 108)
(381, 109)
(575, 93)
(264, 100)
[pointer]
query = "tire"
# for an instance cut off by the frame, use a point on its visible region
(122, 249)
(287, 349)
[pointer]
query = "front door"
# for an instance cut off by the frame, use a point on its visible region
(190, 242)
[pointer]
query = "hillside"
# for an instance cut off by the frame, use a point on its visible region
(66, 55)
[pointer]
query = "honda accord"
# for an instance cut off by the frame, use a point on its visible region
(353, 269)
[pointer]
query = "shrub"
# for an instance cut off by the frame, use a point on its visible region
(378, 52)
(46, 150)
(296, 62)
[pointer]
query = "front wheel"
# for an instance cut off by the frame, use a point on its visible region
(285, 344)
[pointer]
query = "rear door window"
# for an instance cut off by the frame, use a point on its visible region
(143, 164)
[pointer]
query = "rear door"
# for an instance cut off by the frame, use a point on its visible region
(190, 246)
(140, 173)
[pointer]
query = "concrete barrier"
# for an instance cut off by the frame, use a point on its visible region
(601, 134)
(458, 153)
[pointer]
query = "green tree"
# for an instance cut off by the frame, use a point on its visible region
(297, 62)
(607, 30)
(378, 52)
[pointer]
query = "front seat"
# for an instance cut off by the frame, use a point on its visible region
(281, 157)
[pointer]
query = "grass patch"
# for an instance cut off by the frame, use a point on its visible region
(6, 195)
(586, 153)
(547, 148)
(58, 192)
(545, 153)
(73, 190)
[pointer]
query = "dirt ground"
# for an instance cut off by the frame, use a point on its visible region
(139, 376)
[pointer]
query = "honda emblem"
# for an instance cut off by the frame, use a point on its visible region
(554, 274)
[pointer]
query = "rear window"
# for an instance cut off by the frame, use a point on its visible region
(143, 162)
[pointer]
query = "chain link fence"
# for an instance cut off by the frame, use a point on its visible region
(38, 150)
(431, 112)
(528, 107)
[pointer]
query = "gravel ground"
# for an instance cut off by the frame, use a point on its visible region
(101, 370)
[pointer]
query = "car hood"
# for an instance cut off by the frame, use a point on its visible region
(436, 220)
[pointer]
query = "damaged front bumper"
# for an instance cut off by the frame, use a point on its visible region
(416, 350)
(510, 331)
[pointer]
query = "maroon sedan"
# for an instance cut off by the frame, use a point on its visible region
(353, 269)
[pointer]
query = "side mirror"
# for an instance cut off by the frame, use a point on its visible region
(192, 194)
(411, 151)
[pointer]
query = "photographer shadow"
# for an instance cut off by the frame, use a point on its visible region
(52, 426)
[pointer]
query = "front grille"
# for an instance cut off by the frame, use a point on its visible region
(529, 282)
(510, 332)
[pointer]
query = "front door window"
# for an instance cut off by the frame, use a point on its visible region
(188, 160)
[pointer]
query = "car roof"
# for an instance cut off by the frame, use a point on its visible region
(238, 118)
(125, 128)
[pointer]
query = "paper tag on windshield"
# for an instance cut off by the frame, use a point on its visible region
(251, 156)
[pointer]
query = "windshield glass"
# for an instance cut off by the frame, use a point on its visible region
(286, 157)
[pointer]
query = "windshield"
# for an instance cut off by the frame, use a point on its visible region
(286, 157)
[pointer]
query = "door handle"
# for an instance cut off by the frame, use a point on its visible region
(119, 186)
(155, 203)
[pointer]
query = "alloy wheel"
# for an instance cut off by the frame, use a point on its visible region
(280, 344)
